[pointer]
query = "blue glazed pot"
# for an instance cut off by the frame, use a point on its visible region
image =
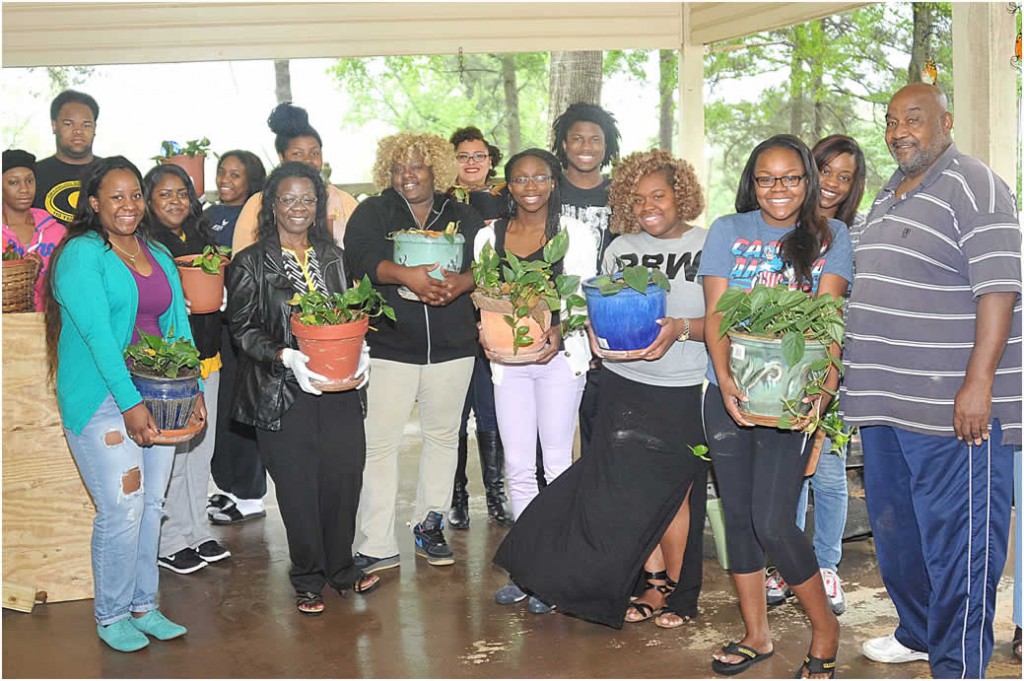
(420, 249)
(626, 320)
(170, 400)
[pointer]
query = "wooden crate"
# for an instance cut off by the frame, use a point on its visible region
(47, 512)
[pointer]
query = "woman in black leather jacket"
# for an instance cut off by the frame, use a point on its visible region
(312, 444)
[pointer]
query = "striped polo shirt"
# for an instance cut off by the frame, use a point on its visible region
(923, 259)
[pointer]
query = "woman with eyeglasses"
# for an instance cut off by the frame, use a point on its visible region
(777, 236)
(476, 158)
(312, 443)
(425, 356)
(543, 398)
(295, 141)
(176, 220)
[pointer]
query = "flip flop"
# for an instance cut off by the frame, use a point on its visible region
(733, 648)
(817, 665)
(230, 515)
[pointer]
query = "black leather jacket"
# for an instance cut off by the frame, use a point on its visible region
(258, 313)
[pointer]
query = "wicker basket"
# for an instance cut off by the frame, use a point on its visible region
(19, 284)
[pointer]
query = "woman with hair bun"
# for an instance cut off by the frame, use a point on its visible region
(296, 140)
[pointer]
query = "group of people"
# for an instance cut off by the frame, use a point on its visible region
(932, 357)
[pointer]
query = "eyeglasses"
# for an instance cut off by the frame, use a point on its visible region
(788, 181)
(477, 157)
(525, 180)
(289, 201)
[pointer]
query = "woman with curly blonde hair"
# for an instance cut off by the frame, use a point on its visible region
(632, 510)
(425, 356)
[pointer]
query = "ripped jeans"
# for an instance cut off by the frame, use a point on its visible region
(127, 484)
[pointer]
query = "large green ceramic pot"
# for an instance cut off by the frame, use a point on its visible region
(762, 373)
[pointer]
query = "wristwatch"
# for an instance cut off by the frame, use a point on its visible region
(685, 335)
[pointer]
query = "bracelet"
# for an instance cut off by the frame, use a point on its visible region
(685, 335)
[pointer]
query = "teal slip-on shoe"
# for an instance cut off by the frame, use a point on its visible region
(122, 636)
(158, 626)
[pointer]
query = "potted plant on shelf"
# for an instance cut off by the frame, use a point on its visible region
(202, 278)
(165, 371)
(19, 279)
(516, 300)
(780, 340)
(425, 247)
(624, 308)
(191, 158)
(330, 330)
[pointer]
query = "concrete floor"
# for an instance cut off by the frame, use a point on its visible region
(437, 622)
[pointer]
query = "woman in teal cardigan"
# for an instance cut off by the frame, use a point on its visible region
(107, 281)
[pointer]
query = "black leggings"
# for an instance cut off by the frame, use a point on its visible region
(760, 472)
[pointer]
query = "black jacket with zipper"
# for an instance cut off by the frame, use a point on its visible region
(421, 333)
(259, 315)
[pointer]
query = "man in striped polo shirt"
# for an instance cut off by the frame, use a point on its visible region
(933, 379)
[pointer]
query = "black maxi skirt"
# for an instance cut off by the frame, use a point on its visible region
(581, 543)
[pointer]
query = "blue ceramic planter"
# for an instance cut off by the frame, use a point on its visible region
(626, 320)
(170, 400)
(419, 249)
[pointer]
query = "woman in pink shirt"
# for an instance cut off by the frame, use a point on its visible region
(29, 232)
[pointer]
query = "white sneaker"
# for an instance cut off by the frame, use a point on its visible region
(887, 649)
(776, 590)
(834, 590)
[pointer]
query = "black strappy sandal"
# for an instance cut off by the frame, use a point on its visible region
(646, 610)
(309, 602)
(364, 584)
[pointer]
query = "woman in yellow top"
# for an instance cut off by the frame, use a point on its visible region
(299, 141)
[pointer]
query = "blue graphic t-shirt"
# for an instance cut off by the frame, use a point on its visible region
(744, 249)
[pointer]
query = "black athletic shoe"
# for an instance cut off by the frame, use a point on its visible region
(184, 562)
(430, 541)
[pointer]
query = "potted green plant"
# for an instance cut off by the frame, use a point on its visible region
(516, 298)
(424, 247)
(330, 329)
(191, 158)
(624, 308)
(202, 278)
(165, 371)
(780, 349)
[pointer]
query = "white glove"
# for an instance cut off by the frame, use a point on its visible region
(364, 365)
(296, 361)
(224, 300)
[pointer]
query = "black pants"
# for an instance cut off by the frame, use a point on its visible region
(588, 408)
(236, 465)
(316, 461)
(760, 471)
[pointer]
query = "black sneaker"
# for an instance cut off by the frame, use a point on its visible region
(430, 542)
(184, 562)
(369, 564)
(211, 551)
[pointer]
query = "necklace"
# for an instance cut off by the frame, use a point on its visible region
(128, 255)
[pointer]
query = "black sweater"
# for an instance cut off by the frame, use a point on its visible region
(421, 334)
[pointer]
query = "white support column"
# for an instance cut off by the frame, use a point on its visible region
(985, 107)
(691, 99)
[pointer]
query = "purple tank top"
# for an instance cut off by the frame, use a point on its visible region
(154, 297)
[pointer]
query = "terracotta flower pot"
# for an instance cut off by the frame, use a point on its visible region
(205, 292)
(333, 350)
(194, 166)
(499, 336)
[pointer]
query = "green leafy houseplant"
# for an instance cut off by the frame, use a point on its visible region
(357, 302)
(635, 277)
(192, 148)
(168, 357)
(527, 285)
(448, 232)
(795, 318)
(211, 259)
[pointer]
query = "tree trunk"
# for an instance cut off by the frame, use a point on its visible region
(796, 95)
(668, 67)
(575, 77)
(920, 47)
(283, 77)
(508, 77)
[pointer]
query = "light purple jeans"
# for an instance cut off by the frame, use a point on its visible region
(536, 399)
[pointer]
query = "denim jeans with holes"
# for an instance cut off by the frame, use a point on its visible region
(127, 484)
(831, 498)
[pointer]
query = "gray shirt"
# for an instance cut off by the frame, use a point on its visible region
(683, 364)
(923, 260)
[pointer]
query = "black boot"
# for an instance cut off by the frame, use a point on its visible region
(492, 467)
(458, 516)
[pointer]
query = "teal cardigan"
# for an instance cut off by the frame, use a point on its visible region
(98, 302)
